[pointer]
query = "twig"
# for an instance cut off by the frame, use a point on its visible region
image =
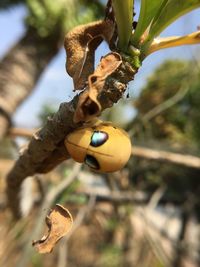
(22, 132)
(151, 154)
(170, 102)
(114, 196)
(156, 197)
(166, 104)
(175, 158)
(62, 253)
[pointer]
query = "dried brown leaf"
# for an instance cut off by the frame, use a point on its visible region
(80, 45)
(88, 106)
(59, 222)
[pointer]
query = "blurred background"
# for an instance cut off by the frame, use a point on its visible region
(148, 214)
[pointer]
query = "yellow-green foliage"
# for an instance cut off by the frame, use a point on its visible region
(47, 16)
(181, 121)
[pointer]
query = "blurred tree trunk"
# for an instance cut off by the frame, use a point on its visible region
(23, 65)
(21, 68)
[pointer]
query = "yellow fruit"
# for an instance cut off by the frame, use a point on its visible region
(104, 147)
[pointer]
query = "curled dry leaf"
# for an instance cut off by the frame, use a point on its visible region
(80, 45)
(88, 105)
(59, 222)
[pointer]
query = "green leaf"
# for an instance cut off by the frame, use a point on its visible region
(48, 16)
(123, 10)
(148, 9)
(169, 13)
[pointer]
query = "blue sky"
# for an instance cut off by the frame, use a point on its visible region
(55, 86)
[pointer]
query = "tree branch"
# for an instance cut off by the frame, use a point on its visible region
(46, 148)
(138, 151)
(45, 151)
(42, 156)
(22, 132)
(176, 158)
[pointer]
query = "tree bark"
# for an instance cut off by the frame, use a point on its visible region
(20, 70)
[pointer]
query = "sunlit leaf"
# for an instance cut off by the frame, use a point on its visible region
(169, 13)
(148, 9)
(124, 17)
(161, 43)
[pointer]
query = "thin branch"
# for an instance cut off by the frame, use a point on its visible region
(114, 196)
(82, 214)
(22, 132)
(62, 253)
(156, 197)
(166, 104)
(175, 158)
(187, 160)
(170, 102)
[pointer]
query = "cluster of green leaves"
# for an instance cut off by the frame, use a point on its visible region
(176, 128)
(154, 17)
(124, 17)
(157, 15)
(47, 16)
(173, 123)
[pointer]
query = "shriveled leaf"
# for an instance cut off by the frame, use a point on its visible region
(59, 222)
(88, 106)
(161, 43)
(124, 18)
(169, 13)
(148, 9)
(80, 45)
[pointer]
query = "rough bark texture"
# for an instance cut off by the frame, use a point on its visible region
(20, 69)
(46, 148)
